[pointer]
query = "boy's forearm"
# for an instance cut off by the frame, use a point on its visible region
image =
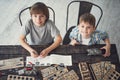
(55, 44)
(107, 42)
(25, 45)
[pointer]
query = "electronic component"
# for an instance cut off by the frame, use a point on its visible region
(53, 70)
(100, 69)
(17, 77)
(71, 75)
(95, 51)
(111, 75)
(84, 70)
(58, 72)
(28, 70)
(11, 63)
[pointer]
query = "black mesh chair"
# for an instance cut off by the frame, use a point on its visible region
(26, 12)
(84, 7)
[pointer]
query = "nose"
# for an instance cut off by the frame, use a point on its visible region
(85, 29)
(38, 18)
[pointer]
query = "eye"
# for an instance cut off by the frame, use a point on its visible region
(88, 27)
(35, 15)
(42, 16)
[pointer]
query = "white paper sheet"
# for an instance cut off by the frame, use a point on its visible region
(52, 59)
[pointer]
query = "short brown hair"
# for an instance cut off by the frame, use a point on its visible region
(39, 8)
(87, 17)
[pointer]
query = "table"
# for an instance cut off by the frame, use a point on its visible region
(78, 53)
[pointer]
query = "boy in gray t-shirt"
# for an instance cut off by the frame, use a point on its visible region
(42, 31)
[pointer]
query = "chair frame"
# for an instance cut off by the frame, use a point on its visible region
(83, 12)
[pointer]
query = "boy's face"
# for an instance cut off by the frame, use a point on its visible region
(38, 19)
(86, 29)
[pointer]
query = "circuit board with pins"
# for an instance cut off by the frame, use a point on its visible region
(70, 75)
(17, 77)
(111, 75)
(58, 72)
(53, 72)
(100, 69)
(84, 70)
(11, 63)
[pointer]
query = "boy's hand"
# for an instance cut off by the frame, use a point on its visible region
(34, 53)
(74, 42)
(107, 51)
(44, 53)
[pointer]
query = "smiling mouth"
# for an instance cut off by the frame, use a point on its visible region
(40, 23)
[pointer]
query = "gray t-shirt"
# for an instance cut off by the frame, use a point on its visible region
(40, 35)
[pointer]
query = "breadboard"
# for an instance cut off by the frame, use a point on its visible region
(71, 75)
(53, 72)
(11, 63)
(100, 69)
(17, 77)
(111, 75)
(84, 70)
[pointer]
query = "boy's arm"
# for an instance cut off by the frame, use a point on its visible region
(56, 43)
(73, 42)
(24, 44)
(107, 47)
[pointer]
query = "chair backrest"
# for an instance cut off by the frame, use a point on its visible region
(25, 12)
(83, 7)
